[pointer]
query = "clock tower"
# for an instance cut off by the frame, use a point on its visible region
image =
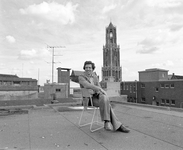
(111, 70)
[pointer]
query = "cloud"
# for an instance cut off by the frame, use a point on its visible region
(33, 54)
(176, 27)
(148, 50)
(164, 3)
(108, 8)
(28, 54)
(167, 63)
(149, 45)
(151, 41)
(52, 11)
(10, 39)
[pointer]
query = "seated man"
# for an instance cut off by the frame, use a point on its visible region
(89, 81)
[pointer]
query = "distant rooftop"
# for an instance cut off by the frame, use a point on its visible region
(154, 69)
(9, 77)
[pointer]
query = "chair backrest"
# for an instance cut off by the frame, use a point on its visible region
(85, 93)
(87, 98)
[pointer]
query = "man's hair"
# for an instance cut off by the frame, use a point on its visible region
(87, 63)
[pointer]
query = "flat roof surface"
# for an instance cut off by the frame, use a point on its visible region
(56, 127)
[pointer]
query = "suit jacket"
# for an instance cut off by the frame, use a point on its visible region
(88, 89)
(86, 83)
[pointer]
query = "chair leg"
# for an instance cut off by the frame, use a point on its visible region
(80, 119)
(95, 114)
(100, 124)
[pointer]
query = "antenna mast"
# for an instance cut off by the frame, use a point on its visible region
(53, 55)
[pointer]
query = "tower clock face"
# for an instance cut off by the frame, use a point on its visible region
(110, 35)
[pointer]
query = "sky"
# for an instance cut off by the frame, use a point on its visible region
(149, 33)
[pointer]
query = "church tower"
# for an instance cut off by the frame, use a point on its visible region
(111, 70)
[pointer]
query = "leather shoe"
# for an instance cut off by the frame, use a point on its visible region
(107, 126)
(122, 128)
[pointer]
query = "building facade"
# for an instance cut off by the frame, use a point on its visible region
(14, 88)
(56, 90)
(111, 70)
(167, 92)
(64, 76)
(154, 74)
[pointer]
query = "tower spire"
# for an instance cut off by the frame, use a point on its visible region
(111, 70)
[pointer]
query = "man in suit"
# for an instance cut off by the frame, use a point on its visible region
(89, 81)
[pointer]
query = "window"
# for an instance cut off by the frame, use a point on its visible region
(166, 85)
(162, 101)
(134, 90)
(172, 102)
(134, 99)
(143, 99)
(129, 99)
(142, 85)
(167, 101)
(162, 85)
(16, 83)
(163, 75)
(130, 88)
(157, 89)
(172, 85)
(58, 90)
(126, 87)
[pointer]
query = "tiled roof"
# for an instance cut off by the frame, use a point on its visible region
(7, 77)
(177, 77)
(76, 73)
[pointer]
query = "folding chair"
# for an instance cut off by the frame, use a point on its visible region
(87, 99)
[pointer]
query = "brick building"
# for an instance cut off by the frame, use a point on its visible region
(155, 87)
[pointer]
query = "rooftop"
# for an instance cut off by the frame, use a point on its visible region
(154, 69)
(56, 127)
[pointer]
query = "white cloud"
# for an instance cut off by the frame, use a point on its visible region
(150, 45)
(147, 50)
(167, 63)
(151, 41)
(10, 39)
(28, 54)
(108, 8)
(34, 54)
(164, 3)
(176, 27)
(52, 11)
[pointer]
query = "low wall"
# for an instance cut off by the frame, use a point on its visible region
(18, 95)
(122, 98)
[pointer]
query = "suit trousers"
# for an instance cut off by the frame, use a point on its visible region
(106, 111)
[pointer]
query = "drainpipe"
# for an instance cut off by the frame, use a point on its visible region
(136, 90)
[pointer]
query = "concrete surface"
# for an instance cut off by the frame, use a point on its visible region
(56, 127)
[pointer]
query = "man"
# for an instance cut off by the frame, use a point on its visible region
(90, 81)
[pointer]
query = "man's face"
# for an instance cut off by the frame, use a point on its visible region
(88, 69)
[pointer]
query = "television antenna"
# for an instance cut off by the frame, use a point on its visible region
(53, 55)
